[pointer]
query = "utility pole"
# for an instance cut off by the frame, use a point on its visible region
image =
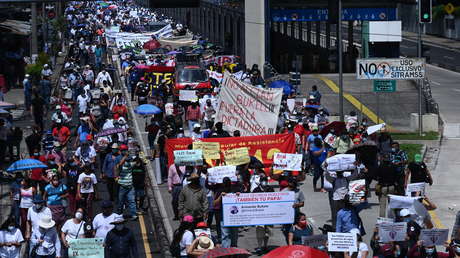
(340, 50)
(420, 82)
(34, 43)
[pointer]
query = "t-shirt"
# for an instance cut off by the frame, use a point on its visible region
(362, 247)
(299, 233)
(139, 176)
(82, 103)
(102, 226)
(54, 193)
(71, 229)
(311, 138)
(187, 239)
(87, 182)
(7, 236)
(35, 217)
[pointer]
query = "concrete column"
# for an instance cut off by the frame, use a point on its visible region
(222, 29)
(242, 36)
(34, 41)
(254, 12)
(235, 35)
(318, 32)
(308, 32)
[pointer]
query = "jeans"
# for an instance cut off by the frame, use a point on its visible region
(229, 236)
(175, 199)
(126, 194)
(112, 188)
(318, 173)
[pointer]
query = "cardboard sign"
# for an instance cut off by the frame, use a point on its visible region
(401, 202)
(217, 174)
(237, 156)
(436, 236)
(188, 157)
(314, 241)
(187, 95)
(341, 162)
(389, 232)
(287, 161)
(414, 188)
(382, 220)
(252, 209)
(86, 247)
(211, 150)
(341, 242)
(356, 190)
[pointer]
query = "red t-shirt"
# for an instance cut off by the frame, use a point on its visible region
(37, 172)
(193, 113)
(61, 134)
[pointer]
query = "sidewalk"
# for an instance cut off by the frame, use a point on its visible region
(434, 40)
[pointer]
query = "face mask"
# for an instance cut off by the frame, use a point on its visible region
(393, 149)
(406, 219)
(78, 215)
(10, 228)
(114, 151)
(303, 223)
(36, 154)
(429, 251)
(38, 206)
(119, 227)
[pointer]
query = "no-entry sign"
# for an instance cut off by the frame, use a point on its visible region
(390, 69)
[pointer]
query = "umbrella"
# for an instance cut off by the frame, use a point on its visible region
(25, 164)
(113, 6)
(282, 84)
(173, 52)
(6, 105)
(298, 251)
(337, 126)
(226, 252)
(151, 44)
(110, 131)
(147, 109)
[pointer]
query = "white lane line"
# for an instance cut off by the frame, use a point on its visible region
(436, 83)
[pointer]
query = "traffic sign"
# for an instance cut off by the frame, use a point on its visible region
(384, 85)
(449, 8)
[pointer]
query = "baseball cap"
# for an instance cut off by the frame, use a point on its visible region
(188, 218)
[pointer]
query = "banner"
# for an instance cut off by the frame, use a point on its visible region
(414, 188)
(341, 242)
(86, 247)
(217, 174)
(431, 237)
(238, 156)
(251, 110)
(390, 68)
(314, 240)
(356, 190)
(187, 95)
(164, 32)
(389, 232)
(188, 157)
(211, 150)
(252, 209)
(287, 161)
(156, 74)
(262, 147)
(215, 75)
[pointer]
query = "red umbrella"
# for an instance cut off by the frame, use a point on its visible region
(297, 251)
(226, 252)
(336, 125)
(151, 44)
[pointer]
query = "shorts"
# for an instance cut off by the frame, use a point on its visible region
(139, 192)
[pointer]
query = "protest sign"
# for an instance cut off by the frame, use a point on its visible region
(414, 188)
(341, 242)
(389, 232)
(238, 156)
(401, 202)
(291, 104)
(217, 174)
(341, 162)
(262, 147)
(211, 150)
(382, 220)
(243, 107)
(188, 157)
(86, 247)
(435, 236)
(356, 190)
(187, 95)
(287, 161)
(251, 209)
(202, 232)
(314, 241)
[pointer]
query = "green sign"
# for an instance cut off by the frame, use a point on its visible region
(384, 85)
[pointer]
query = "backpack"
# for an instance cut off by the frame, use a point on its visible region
(175, 249)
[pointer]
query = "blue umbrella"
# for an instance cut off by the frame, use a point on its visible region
(286, 86)
(26, 164)
(147, 109)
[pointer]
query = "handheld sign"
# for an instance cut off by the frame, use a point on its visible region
(314, 241)
(435, 236)
(341, 242)
(287, 161)
(415, 188)
(389, 232)
(187, 95)
(356, 190)
(86, 247)
(217, 174)
(211, 150)
(237, 156)
(188, 157)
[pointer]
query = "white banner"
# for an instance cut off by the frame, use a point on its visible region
(287, 161)
(390, 69)
(251, 209)
(217, 174)
(435, 236)
(250, 110)
(414, 188)
(164, 32)
(389, 232)
(341, 242)
(187, 95)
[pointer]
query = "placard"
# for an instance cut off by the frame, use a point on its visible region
(382, 220)
(238, 156)
(217, 174)
(188, 157)
(435, 236)
(389, 232)
(287, 161)
(414, 188)
(341, 162)
(252, 209)
(314, 240)
(211, 150)
(86, 247)
(401, 202)
(356, 190)
(390, 68)
(341, 242)
(187, 95)
(291, 104)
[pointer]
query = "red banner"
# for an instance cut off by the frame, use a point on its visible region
(263, 147)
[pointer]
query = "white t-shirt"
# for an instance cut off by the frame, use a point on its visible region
(361, 248)
(91, 153)
(35, 217)
(71, 229)
(87, 182)
(186, 240)
(7, 236)
(82, 103)
(102, 224)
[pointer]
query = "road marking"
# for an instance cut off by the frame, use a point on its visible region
(437, 83)
(360, 106)
(435, 219)
(145, 238)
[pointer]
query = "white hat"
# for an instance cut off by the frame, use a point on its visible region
(197, 125)
(404, 212)
(205, 242)
(355, 231)
(46, 222)
(58, 107)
